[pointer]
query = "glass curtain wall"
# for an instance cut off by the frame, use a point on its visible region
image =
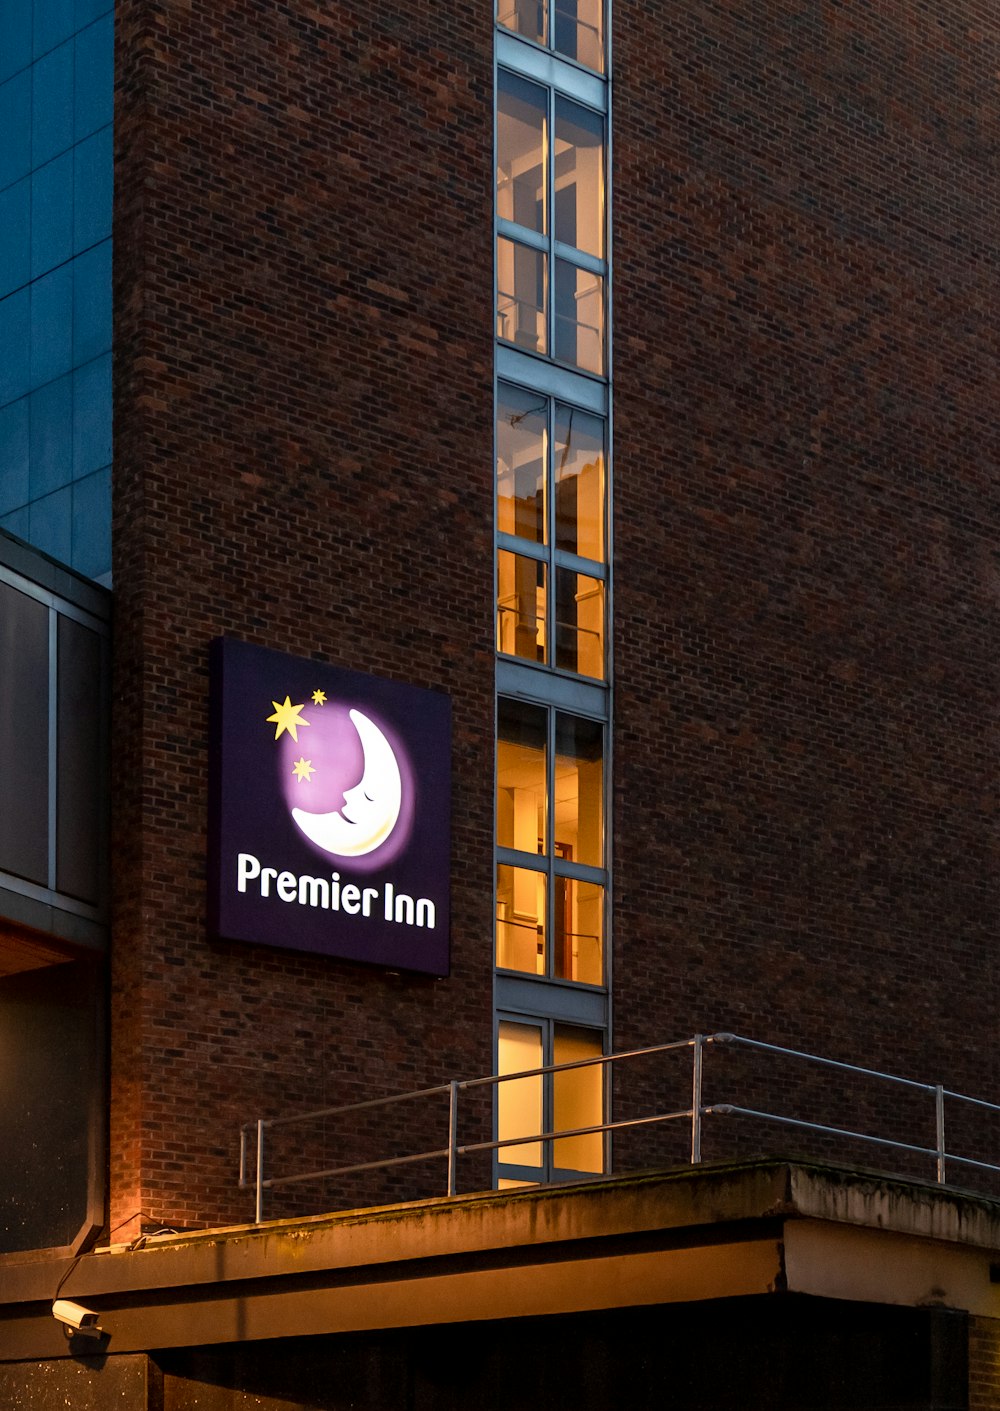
(552, 574)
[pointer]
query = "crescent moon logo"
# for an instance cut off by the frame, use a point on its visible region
(371, 808)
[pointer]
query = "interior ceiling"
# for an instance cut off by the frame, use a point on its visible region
(24, 950)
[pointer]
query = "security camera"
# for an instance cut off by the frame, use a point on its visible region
(75, 1318)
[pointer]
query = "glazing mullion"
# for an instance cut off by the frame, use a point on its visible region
(550, 849)
(550, 201)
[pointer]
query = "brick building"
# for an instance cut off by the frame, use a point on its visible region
(623, 380)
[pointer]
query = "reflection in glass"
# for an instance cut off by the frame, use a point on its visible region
(579, 317)
(521, 920)
(577, 26)
(579, 790)
(579, 623)
(578, 931)
(521, 285)
(522, 454)
(577, 1099)
(520, 776)
(578, 31)
(524, 17)
(579, 177)
(579, 476)
(521, 600)
(519, 1102)
(522, 151)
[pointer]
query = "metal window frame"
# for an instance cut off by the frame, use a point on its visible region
(45, 907)
(518, 996)
(549, 1172)
(560, 77)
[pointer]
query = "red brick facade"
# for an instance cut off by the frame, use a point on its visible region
(304, 417)
(805, 511)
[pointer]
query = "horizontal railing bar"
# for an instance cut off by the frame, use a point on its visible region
(975, 1101)
(572, 1132)
(724, 1109)
(351, 1107)
(495, 1078)
(350, 1170)
(827, 1062)
(969, 1161)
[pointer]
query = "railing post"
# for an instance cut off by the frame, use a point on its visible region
(259, 1212)
(696, 1088)
(453, 1137)
(939, 1112)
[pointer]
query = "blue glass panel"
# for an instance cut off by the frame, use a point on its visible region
(13, 456)
(15, 124)
(51, 214)
(92, 416)
(16, 523)
(92, 190)
(92, 524)
(51, 419)
(92, 303)
(15, 316)
(51, 104)
(15, 26)
(87, 10)
(95, 78)
(50, 524)
(54, 22)
(15, 227)
(51, 325)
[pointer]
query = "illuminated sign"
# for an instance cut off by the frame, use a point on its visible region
(331, 802)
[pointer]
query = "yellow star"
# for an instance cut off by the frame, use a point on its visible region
(286, 717)
(319, 698)
(303, 768)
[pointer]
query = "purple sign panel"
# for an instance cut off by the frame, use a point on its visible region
(331, 799)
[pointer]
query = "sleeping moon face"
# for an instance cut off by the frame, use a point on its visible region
(371, 807)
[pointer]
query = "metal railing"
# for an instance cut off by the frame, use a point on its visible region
(695, 1115)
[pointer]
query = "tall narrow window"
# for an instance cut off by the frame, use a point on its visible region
(550, 206)
(550, 838)
(532, 1106)
(551, 567)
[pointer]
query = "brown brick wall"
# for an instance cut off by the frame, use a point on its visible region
(805, 526)
(984, 1364)
(806, 530)
(303, 421)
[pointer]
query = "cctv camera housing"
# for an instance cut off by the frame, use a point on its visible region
(75, 1316)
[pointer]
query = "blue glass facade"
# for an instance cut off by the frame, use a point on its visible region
(56, 165)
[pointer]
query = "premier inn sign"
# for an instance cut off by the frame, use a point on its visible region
(331, 797)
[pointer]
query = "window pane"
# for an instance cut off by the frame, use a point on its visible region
(577, 1099)
(578, 31)
(522, 151)
(521, 776)
(521, 920)
(579, 330)
(579, 623)
(521, 295)
(522, 452)
(519, 1103)
(525, 17)
(520, 606)
(579, 790)
(578, 931)
(579, 177)
(579, 470)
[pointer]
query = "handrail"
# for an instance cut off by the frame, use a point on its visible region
(696, 1114)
